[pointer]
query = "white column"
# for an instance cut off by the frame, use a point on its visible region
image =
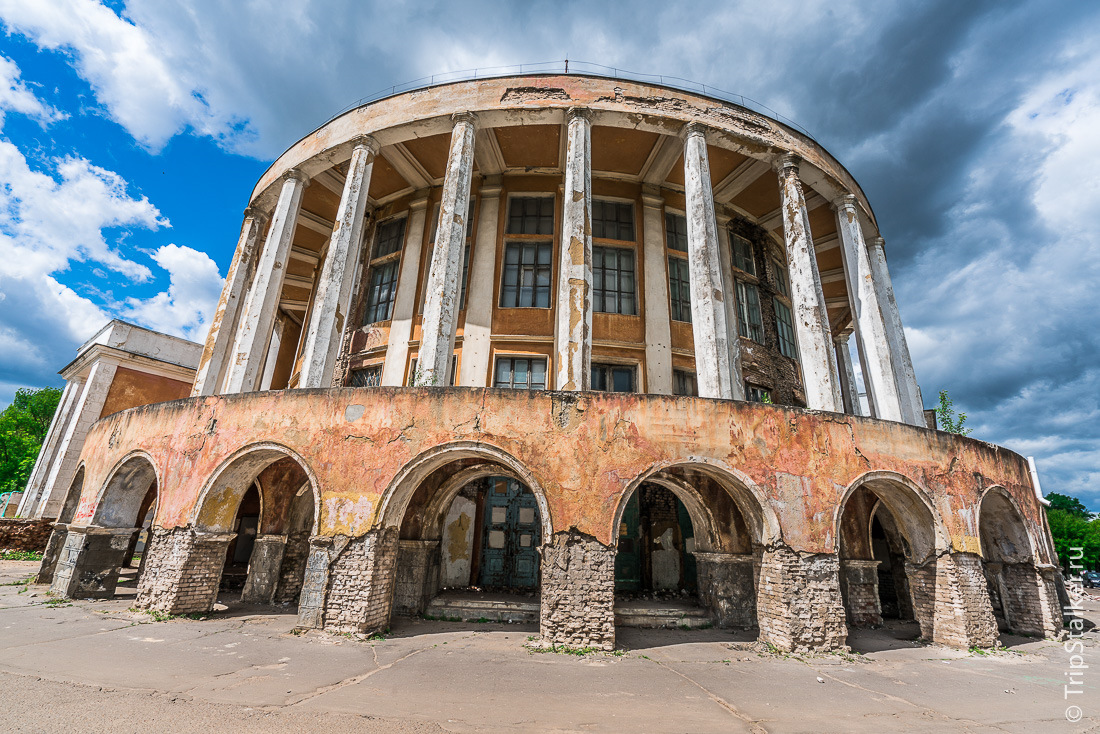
(397, 350)
(258, 316)
(878, 374)
(811, 317)
(658, 329)
(274, 344)
(847, 374)
(725, 256)
(330, 305)
(573, 320)
(46, 456)
(912, 406)
(477, 331)
(86, 412)
(223, 327)
(437, 341)
(708, 307)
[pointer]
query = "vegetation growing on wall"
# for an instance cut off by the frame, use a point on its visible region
(23, 428)
(947, 419)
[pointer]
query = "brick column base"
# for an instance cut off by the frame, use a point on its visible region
(90, 561)
(417, 575)
(263, 569)
(52, 554)
(951, 601)
(727, 587)
(799, 606)
(578, 592)
(1030, 600)
(293, 570)
(183, 570)
(358, 594)
(859, 588)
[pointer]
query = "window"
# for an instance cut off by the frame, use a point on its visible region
(613, 280)
(748, 312)
(784, 325)
(450, 377)
(391, 235)
(613, 220)
(526, 275)
(381, 292)
(531, 215)
(742, 255)
(520, 373)
(366, 377)
(683, 383)
(679, 289)
(465, 278)
(676, 232)
(781, 284)
(612, 378)
(757, 394)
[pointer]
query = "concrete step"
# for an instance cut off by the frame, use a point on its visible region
(468, 609)
(654, 615)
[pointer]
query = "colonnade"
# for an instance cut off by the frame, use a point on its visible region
(238, 341)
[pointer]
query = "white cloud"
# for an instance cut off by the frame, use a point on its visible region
(186, 307)
(15, 96)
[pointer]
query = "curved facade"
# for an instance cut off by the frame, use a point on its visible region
(520, 333)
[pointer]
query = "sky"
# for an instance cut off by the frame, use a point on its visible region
(131, 134)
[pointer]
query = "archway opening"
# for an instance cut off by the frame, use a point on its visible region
(264, 505)
(886, 535)
(469, 545)
(1008, 563)
(685, 551)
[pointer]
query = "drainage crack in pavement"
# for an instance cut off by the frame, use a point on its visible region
(754, 725)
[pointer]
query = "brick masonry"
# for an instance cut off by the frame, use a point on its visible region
(951, 601)
(578, 592)
(799, 606)
(24, 535)
(859, 589)
(183, 570)
(294, 568)
(264, 567)
(360, 588)
(727, 588)
(1028, 597)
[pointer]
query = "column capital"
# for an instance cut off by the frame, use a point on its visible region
(420, 202)
(786, 162)
(876, 242)
(693, 128)
(842, 337)
(255, 214)
(366, 141)
(464, 116)
(296, 174)
(651, 196)
(844, 202)
(578, 113)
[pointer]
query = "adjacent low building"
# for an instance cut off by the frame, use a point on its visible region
(579, 340)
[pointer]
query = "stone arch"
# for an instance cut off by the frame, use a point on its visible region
(911, 506)
(216, 507)
(72, 497)
(396, 497)
(120, 499)
(749, 498)
(1022, 592)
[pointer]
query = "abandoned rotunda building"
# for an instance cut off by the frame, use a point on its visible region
(575, 338)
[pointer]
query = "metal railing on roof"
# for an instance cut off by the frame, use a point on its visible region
(581, 68)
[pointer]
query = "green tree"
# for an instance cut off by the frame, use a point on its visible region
(1072, 505)
(1076, 536)
(947, 419)
(23, 428)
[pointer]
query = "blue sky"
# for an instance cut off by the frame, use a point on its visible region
(131, 134)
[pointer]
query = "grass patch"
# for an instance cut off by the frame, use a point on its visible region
(24, 582)
(59, 601)
(576, 651)
(20, 555)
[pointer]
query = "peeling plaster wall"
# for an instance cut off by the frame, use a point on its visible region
(583, 449)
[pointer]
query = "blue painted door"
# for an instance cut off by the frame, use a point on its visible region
(510, 536)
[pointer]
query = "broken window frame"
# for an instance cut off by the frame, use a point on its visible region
(750, 320)
(784, 326)
(757, 394)
(608, 371)
(684, 383)
(367, 376)
(742, 252)
(383, 271)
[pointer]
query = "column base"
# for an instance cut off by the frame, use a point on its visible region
(951, 601)
(859, 587)
(1030, 600)
(52, 554)
(263, 569)
(90, 561)
(358, 595)
(799, 605)
(578, 592)
(183, 570)
(727, 587)
(293, 570)
(417, 575)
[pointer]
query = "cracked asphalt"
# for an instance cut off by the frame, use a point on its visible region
(98, 667)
